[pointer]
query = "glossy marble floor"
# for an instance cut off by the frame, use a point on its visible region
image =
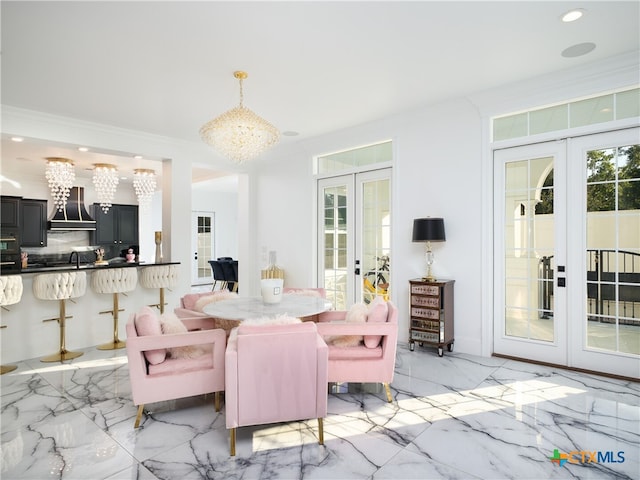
(458, 417)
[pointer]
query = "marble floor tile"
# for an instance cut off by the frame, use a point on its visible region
(453, 417)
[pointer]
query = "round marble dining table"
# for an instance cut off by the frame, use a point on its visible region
(242, 308)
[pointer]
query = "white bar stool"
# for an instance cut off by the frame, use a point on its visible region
(60, 286)
(114, 281)
(10, 294)
(159, 276)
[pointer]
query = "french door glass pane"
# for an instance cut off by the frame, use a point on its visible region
(613, 249)
(335, 245)
(376, 239)
(529, 249)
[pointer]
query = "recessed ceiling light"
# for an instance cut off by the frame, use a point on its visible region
(17, 139)
(578, 50)
(83, 149)
(138, 157)
(572, 15)
(290, 133)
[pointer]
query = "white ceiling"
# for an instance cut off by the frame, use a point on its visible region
(167, 67)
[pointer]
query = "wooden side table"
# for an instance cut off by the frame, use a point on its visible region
(431, 314)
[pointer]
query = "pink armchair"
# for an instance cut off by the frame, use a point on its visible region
(192, 303)
(372, 360)
(156, 376)
(275, 373)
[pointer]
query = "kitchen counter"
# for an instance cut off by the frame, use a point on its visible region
(70, 267)
(26, 336)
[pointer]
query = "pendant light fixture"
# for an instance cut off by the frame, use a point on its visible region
(60, 175)
(239, 134)
(105, 181)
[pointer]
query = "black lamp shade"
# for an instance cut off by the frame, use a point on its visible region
(428, 230)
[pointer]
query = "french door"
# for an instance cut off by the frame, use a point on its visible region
(354, 237)
(202, 244)
(567, 251)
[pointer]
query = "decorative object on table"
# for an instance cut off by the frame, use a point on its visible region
(100, 256)
(105, 181)
(130, 256)
(272, 270)
(144, 183)
(60, 174)
(158, 240)
(239, 134)
(271, 289)
(428, 230)
(24, 259)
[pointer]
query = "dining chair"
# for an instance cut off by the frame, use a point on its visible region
(218, 275)
(157, 369)
(373, 359)
(275, 373)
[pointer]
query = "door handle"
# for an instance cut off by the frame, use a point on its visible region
(357, 269)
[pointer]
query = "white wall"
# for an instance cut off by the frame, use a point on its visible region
(436, 173)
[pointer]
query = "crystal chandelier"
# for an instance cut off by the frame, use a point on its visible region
(60, 175)
(239, 133)
(144, 183)
(105, 180)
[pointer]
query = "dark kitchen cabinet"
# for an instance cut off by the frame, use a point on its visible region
(33, 227)
(10, 213)
(117, 227)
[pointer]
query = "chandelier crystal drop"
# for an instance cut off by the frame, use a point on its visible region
(144, 183)
(239, 134)
(60, 175)
(105, 181)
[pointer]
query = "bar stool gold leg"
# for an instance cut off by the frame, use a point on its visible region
(63, 354)
(116, 343)
(8, 368)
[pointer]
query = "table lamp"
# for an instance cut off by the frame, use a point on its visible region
(428, 230)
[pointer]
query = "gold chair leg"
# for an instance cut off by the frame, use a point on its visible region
(217, 401)
(388, 390)
(320, 431)
(116, 343)
(7, 368)
(232, 441)
(63, 354)
(139, 416)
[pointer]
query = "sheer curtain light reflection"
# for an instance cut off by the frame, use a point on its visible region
(105, 181)
(144, 183)
(239, 134)
(60, 175)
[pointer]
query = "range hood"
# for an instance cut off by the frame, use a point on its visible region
(74, 215)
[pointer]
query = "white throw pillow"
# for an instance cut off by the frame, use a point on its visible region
(171, 324)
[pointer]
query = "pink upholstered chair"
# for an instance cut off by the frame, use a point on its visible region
(191, 306)
(157, 369)
(275, 373)
(373, 360)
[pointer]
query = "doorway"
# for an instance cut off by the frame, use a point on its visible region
(567, 252)
(203, 247)
(354, 225)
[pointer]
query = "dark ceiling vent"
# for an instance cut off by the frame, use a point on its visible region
(74, 215)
